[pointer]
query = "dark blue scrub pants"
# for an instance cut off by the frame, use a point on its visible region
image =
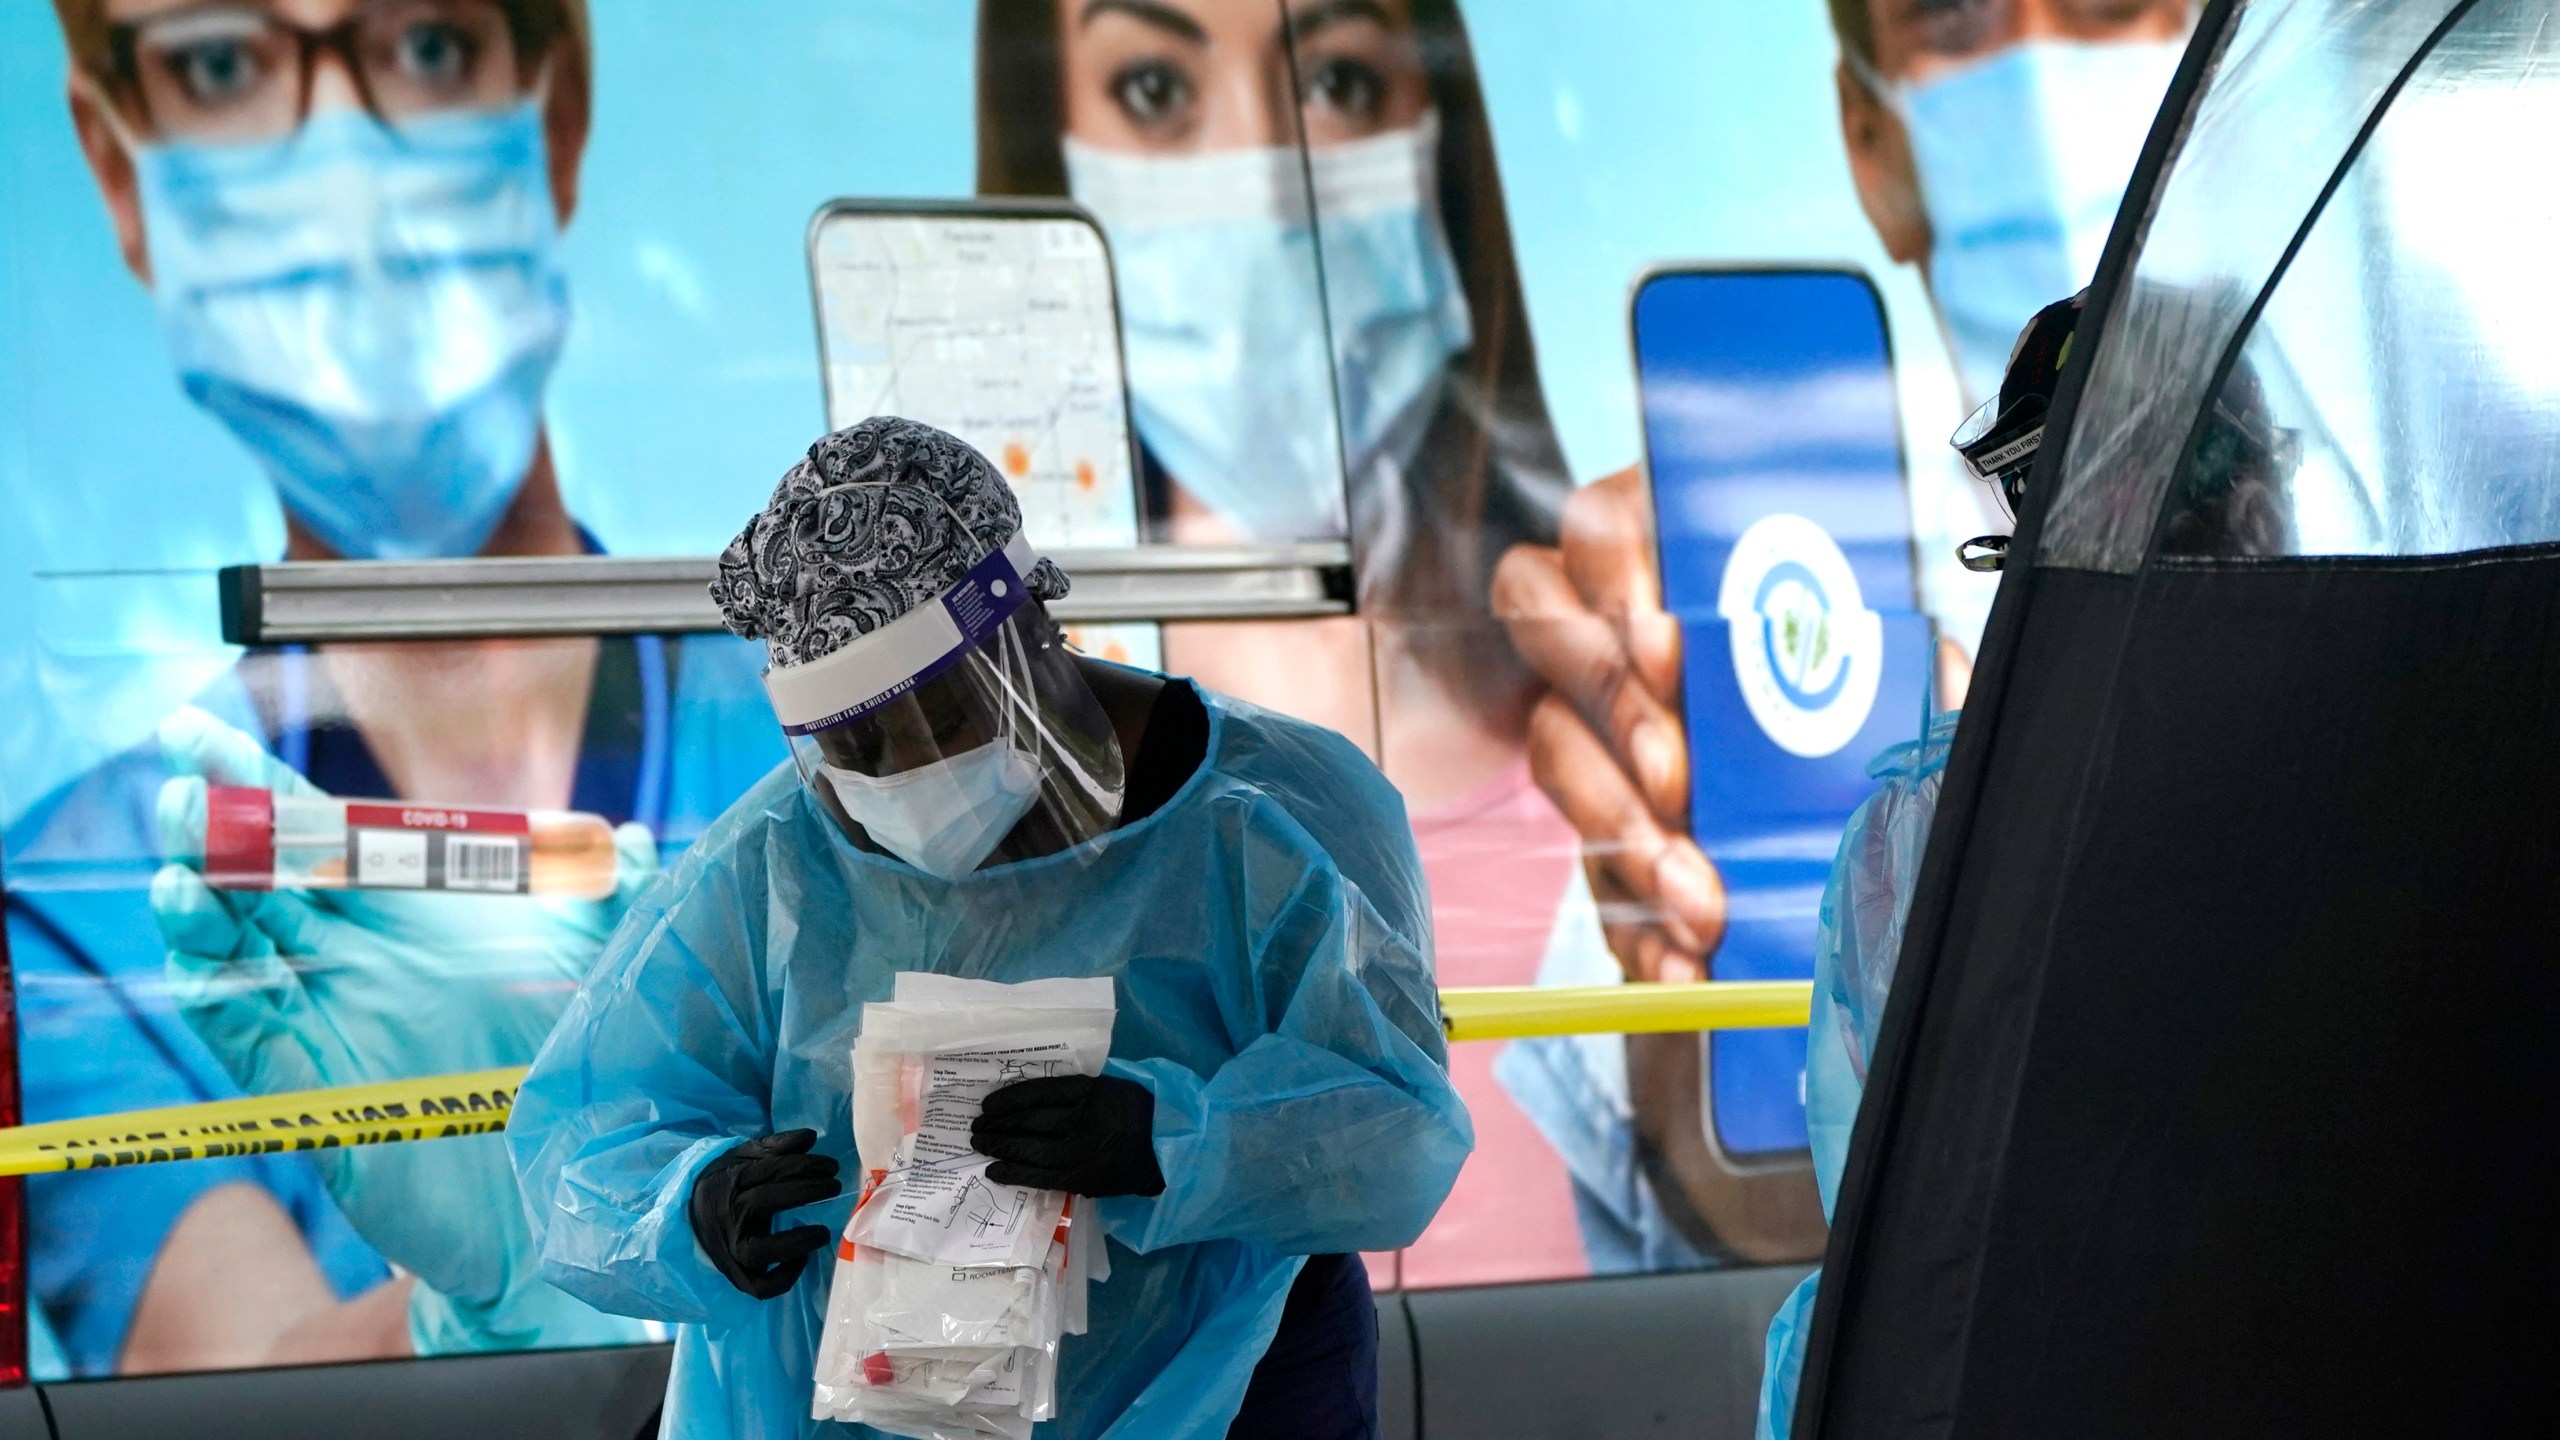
(1319, 1379)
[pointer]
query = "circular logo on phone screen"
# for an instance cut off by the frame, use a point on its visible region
(1807, 651)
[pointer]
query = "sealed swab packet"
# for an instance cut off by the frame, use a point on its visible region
(952, 1292)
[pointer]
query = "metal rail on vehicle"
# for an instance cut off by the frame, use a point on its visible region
(313, 602)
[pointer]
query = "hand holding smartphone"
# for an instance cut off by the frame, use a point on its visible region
(1773, 452)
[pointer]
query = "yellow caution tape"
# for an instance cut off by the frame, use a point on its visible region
(432, 1108)
(437, 1107)
(1511, 1011)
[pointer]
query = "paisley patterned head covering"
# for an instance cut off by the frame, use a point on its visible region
(881, 518)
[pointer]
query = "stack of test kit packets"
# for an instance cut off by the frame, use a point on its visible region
(951, 1291)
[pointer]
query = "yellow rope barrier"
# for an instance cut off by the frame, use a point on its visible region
(442, 1106)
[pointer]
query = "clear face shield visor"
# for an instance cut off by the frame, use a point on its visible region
(959, 735)
(1999, 447)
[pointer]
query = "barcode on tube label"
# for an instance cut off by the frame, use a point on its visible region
(478, 862)
(439, 860)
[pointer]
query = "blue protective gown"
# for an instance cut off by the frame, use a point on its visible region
(1270, 935)
(97, 1032)
(1856, 952)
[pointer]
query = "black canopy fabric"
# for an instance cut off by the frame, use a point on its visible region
(2215, 1090)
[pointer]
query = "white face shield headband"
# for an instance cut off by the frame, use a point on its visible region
(861, 677)
(956, 727)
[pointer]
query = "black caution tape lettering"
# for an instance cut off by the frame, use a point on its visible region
(125, 1141)
(223, 1149)
(477, 1102)
(263, 1137)
(387, 1113)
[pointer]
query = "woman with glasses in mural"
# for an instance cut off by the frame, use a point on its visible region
(347, 215)
(1302, 322)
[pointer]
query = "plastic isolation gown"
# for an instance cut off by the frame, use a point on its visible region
(1855, 953)
(1269, 933)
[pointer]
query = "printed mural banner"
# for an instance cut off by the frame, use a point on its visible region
(518, 278)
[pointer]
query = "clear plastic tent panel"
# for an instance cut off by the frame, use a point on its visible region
(2400, 393)
(2295, 82)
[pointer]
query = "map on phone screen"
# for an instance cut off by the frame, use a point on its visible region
(996, 323)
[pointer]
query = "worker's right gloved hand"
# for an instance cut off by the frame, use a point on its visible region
(305, 991)
(736, 1197)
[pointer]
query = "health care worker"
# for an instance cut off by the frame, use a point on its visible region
(971, 798)
(1990, 144)
(1866, 902)
(2231, 500)
(348, 213)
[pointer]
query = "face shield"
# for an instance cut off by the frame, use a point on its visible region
(2000, 439)
(1999, 446)
(960, 733)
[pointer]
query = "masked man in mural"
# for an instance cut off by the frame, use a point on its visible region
(347, 213)
(1989, 145)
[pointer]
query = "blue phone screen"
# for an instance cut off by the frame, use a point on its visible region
(1773, 441)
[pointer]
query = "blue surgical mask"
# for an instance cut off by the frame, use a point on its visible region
(1225, 316)
(2023, 159)
(946, 817)
(373, 312)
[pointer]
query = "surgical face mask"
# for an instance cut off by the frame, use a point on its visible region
(373, 312)
(2023, 159)
(945, 817)
(1225, 315)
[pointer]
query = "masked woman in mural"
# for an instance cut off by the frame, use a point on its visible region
(347, 213)
(1291, 312)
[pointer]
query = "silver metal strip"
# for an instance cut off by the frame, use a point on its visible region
(318, 602)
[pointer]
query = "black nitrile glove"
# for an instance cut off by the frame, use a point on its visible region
(736, 1197)
(1084, 1134)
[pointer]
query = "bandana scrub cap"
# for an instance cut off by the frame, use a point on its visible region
(930, 705)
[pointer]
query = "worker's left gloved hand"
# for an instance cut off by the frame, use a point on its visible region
(307, 990)
(1084, 1134)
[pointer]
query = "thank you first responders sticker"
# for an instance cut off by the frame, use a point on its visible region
(1807, 652)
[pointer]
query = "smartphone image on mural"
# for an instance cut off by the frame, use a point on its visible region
(995, 320)
(1774, 450)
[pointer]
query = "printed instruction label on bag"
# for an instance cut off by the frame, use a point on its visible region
(944, 1207)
